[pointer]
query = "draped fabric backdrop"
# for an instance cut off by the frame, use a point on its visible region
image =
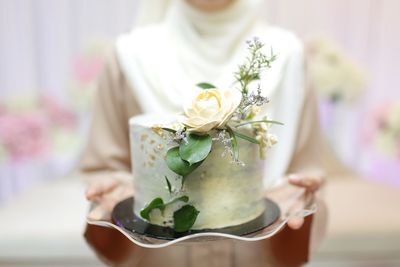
(41, 61)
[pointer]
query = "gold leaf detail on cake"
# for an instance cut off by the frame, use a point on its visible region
(158, 130)
(160, 146)
(143, 137)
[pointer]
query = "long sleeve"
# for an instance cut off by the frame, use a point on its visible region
(107, 151)
(313, 156)
(312, 153)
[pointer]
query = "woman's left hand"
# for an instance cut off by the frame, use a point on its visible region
(311, 184)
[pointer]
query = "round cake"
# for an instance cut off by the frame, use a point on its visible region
(203, 168)
(224, 193)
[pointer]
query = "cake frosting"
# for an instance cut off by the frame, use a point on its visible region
(224, 193)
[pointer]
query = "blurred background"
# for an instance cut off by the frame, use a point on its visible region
(52, 51)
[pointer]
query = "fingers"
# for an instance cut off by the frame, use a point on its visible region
(295, 212)
(99, 188)
(100, 212)
(105, 195)
(311, 183)
(296, 223)
(103, 207)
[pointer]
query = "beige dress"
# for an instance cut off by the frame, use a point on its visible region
(107, 154)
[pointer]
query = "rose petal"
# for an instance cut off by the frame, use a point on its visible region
(204, 128)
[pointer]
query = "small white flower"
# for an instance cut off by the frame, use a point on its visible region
(265, 139)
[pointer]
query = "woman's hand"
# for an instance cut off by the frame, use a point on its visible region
(311, 184)
(105, 193)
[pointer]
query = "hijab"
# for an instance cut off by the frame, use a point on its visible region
(164, 58)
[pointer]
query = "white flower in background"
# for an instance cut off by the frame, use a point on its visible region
(210, 109)
(332, 73)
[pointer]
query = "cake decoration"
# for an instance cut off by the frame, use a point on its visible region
(220, 123)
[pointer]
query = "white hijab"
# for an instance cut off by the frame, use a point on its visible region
(164, 60)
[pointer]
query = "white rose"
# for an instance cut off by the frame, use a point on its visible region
(211, 108)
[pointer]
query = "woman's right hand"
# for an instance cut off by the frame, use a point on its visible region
(105, 193)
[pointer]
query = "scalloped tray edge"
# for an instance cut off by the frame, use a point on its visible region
(277, 227)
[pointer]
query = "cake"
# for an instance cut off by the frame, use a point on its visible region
(203, 169)
(226, 194)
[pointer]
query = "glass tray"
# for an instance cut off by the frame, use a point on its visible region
(283, 203)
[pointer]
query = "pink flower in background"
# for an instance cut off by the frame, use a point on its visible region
(24, 136)
(87, 68)
(382, 140)
(376, 121)
(58, 114)
(42, 135)
(382, 129)
(384, 169)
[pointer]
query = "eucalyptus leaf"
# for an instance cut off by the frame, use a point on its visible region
(169, 130)
(168, 184)
(258, 122)
(184, 218)
(177, 164)
(182, 198)
(183, 182)
(246, 137)
(234, 144)
(156, 203)
(206, 85)
(196, 148)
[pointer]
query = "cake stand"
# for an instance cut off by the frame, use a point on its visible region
(283, 203)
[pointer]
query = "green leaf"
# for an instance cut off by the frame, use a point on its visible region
(258, 122)
(206, 85)
(234, 144)
(156, 203)
(169, 130)
(183, 182)
(255, 77)
(182, 198)
(247, 138)
(196, 148)
(168, 184)
(177, 164)
(184, 218)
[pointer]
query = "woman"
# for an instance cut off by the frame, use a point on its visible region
(151, 70)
